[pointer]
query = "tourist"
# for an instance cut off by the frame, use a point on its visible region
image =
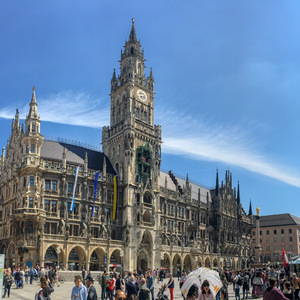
(111, 285)
(238, 282)
(79, 291)
(246, 281)
(120, 295)
(45, 290)
(103, 285)
(91, 290)
(205, 293)
(170, 285)
(295, 285)
(150, 283)
(26, 274)
(287, 292)
(131, 287)
(7, 282)
(144, 292)
(119, 283)
(272, 292)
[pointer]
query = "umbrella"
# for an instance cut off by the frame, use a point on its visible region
(198, 276)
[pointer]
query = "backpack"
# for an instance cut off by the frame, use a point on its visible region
(143, 294)
(246, 280)
(40, 296)
(239, 281)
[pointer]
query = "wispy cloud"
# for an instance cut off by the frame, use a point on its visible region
(68, 107)
(182, 133)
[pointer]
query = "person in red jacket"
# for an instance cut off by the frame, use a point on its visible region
(272, 292)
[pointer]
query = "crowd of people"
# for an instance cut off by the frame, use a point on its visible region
(269, 283)
(20, 276)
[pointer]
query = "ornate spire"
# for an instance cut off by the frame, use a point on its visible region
(217, 183)
(33, 105)
(250, 209)
(114, 77)
(238, 194)
(132, 36)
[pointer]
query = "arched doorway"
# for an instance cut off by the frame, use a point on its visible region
(76, 259)
(142, 260)
(145, 251)
(176, 264)
(187, 264)
(165, 262)
(97, 260)
(115, 261)
(53, 256)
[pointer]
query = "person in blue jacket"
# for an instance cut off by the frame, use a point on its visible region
(79, 291)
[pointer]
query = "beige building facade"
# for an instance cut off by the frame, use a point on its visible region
(277, 232)
(163, 220)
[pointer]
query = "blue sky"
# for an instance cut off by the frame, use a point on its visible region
(226, 75)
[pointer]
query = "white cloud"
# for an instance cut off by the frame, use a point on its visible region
(68, 107)
(182, 133)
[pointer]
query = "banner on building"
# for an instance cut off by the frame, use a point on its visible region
(74, 189)
(95, 191)
(115, 198)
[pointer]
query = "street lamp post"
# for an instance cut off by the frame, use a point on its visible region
(121, 255)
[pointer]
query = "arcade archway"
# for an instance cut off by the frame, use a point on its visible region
(76, 259)
(187, 264)
(53, 256)
(97, 260)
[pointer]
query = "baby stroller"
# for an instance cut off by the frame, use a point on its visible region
(161, 294)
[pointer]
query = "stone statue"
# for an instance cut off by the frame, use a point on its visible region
(257, 210)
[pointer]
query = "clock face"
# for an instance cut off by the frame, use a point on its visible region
(141, 95)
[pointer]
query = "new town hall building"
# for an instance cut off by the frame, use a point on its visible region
(162, 220)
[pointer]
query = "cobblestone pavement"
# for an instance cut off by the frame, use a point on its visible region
(63, 292)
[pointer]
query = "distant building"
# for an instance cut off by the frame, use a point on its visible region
(277, 232)
(162, 220)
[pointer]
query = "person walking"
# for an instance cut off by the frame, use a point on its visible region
(246, 281)
(103, 284)
(150, 284)
(91, 290)
(31, 274)
(79, 291)
(170, 285)
(238, 282)
(111, 285)
(26, 274)
(7, 282)
(272, 292)
(131, 287)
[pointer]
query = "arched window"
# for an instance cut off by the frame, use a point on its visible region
(148, 198)
(137, 113)
(145, 116)
(132, 50)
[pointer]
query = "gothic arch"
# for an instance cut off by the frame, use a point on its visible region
(207, 262)
(187, 263)
(165, 261)
(77, 258)
(115, 256)
(143, 259)
(177, 262)
(215, 262)
(148, 198)
(53, 255)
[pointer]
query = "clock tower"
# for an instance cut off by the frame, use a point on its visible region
(133, 144)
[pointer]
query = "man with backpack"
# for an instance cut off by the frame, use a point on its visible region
(238, 282)
(246, 287)
(144, 292)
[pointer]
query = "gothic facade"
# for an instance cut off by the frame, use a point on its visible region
(162, 220)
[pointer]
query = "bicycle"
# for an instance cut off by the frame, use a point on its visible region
(61, 279)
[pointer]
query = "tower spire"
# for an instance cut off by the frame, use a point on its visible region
(250, 209)
(217, 183)
(132, 35)
(238, 194)
(33, 106)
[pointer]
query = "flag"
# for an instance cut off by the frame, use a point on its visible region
(284, 258)
(115, 198)
(95, 191)
(74, 189)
